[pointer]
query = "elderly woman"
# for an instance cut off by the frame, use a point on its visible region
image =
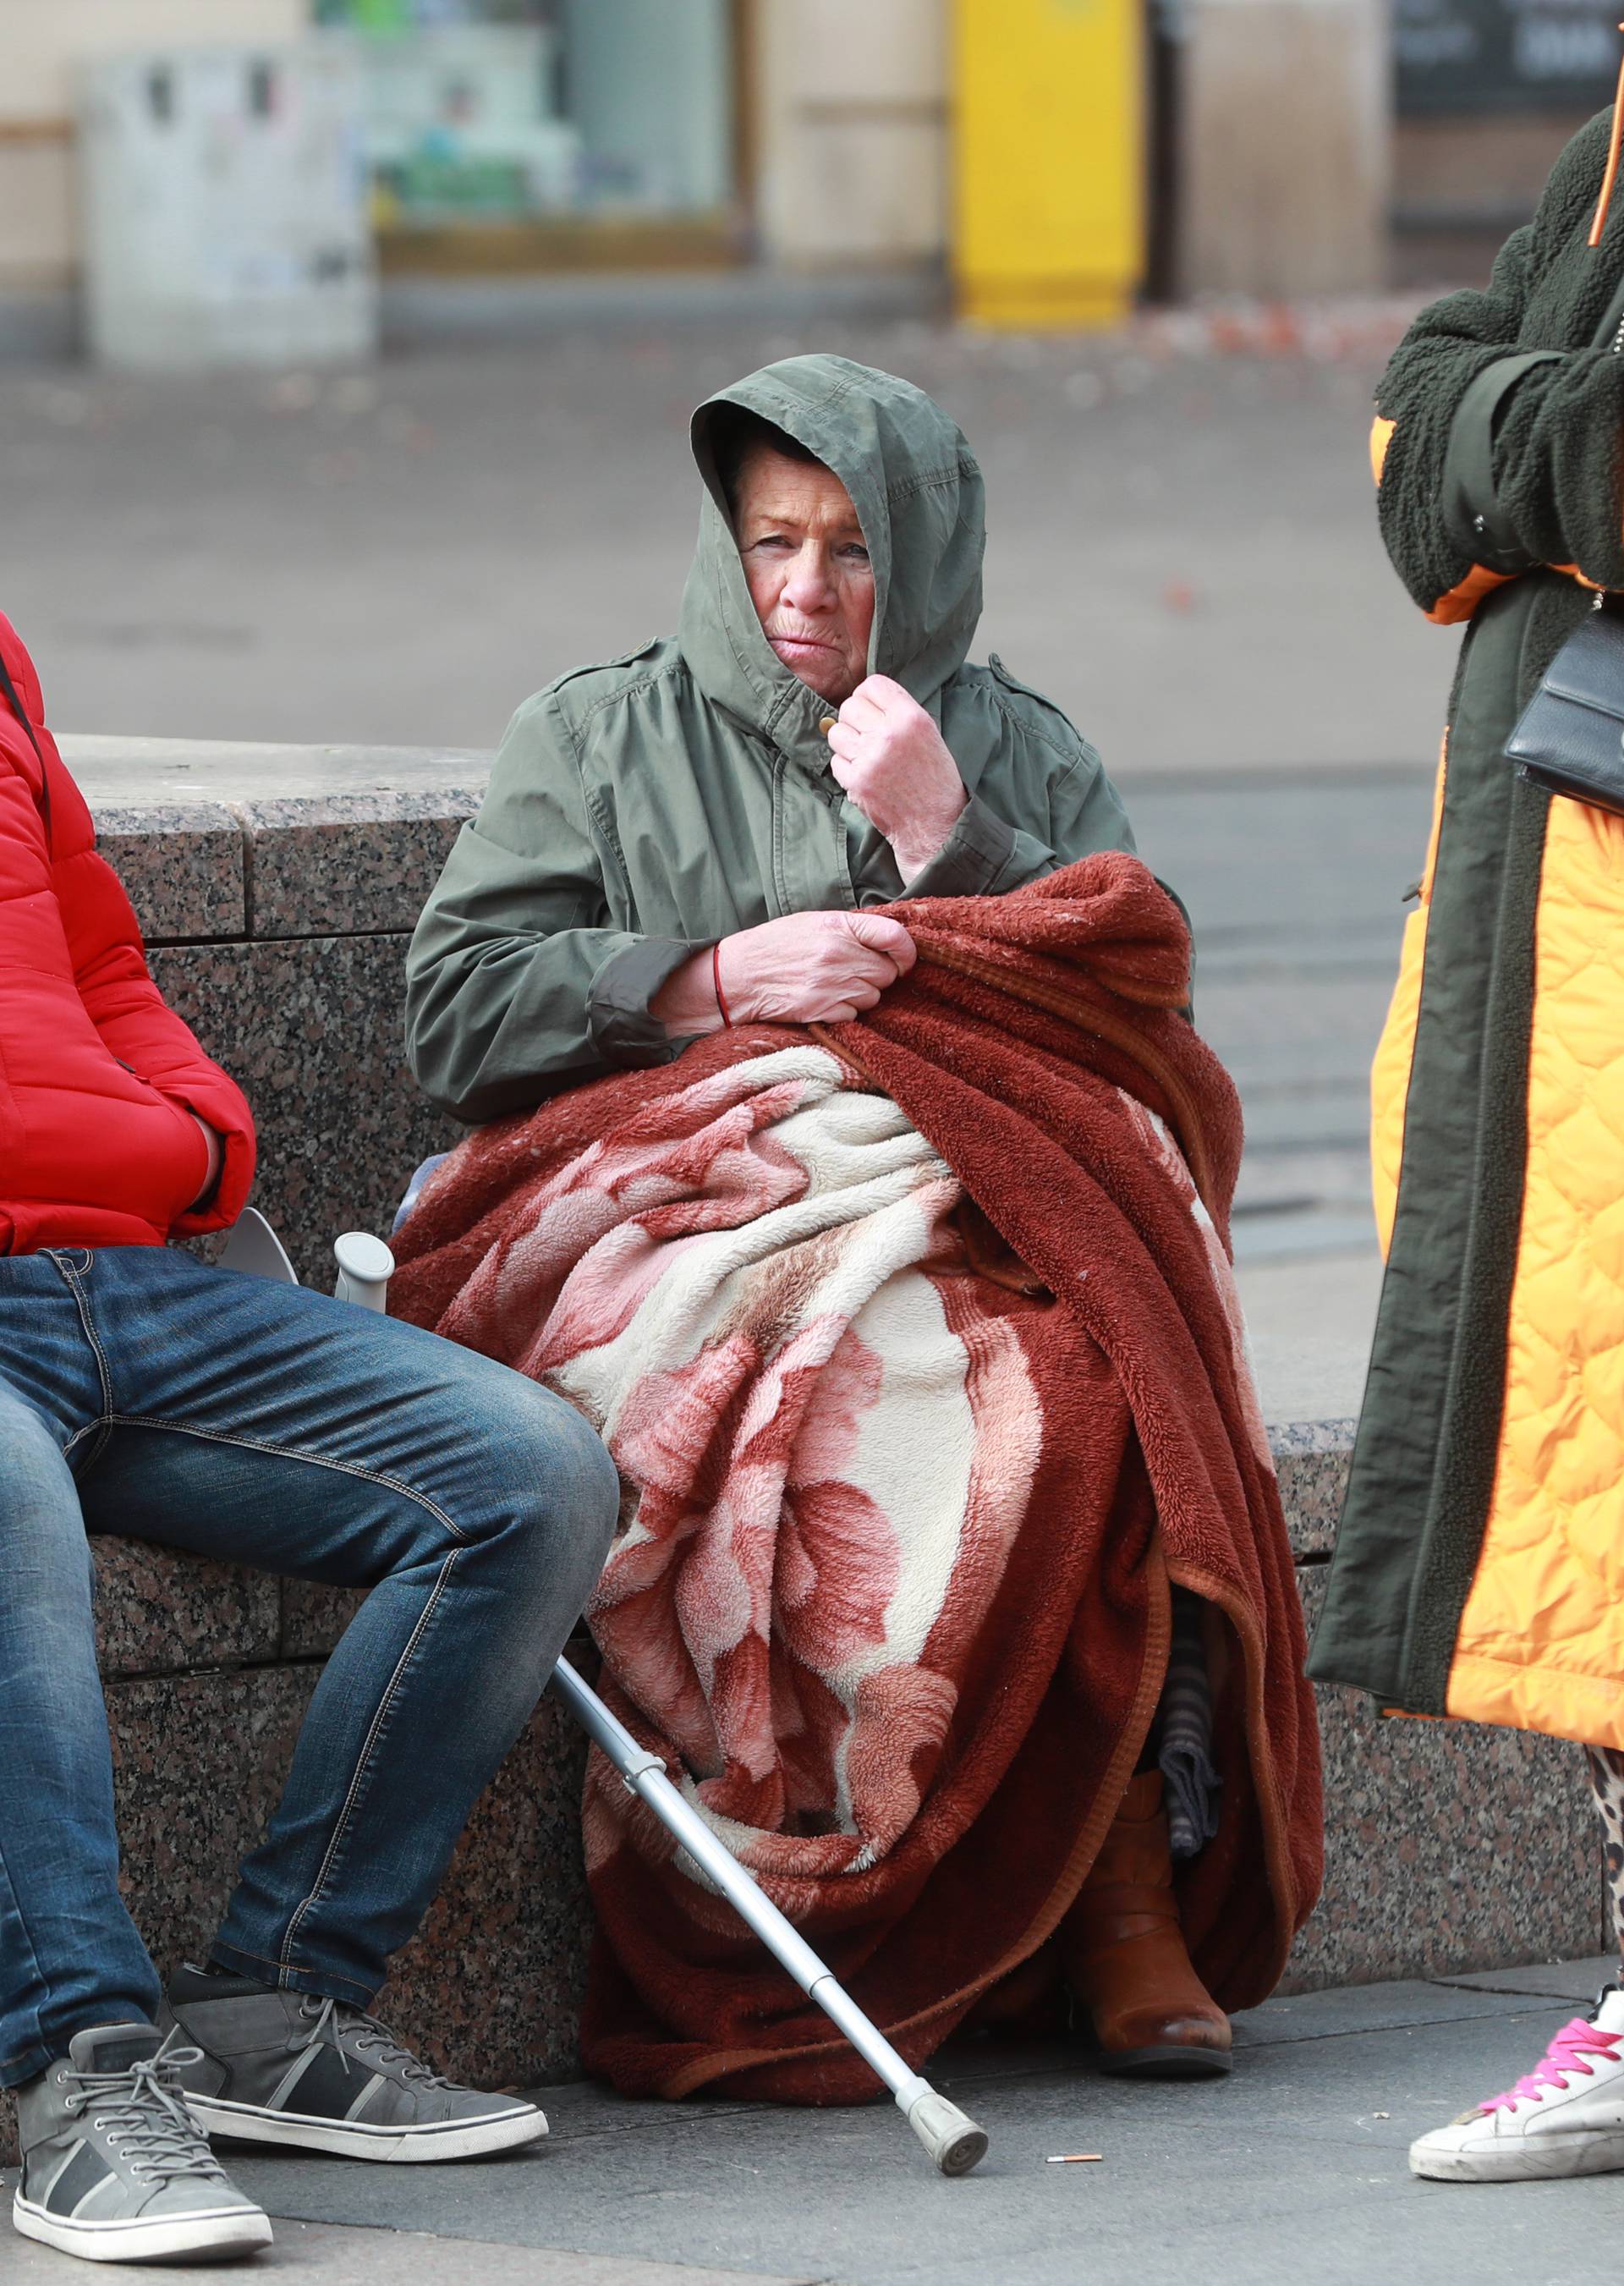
(690, 835)
(694, 837)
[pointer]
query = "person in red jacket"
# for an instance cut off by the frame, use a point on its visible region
(144, 1393)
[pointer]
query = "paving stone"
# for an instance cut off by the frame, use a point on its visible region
(1579, 1980)
(1290, 2173)
(338, 2257)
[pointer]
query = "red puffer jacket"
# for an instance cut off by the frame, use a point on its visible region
(96, 1077)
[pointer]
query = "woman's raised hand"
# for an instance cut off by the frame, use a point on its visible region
(893, 764)
(807, 968)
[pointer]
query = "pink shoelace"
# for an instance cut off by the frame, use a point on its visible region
(1566, 2053)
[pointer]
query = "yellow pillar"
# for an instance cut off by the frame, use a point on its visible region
(1049, 161)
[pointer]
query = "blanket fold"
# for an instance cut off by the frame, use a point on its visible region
(916, 1343)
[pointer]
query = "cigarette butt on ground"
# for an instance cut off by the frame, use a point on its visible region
(1075, 2159)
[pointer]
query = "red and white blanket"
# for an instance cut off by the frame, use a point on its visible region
(917, 1347)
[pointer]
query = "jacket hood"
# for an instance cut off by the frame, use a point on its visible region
(919, 500)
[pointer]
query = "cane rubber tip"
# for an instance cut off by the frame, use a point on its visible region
(359, 1255)
(954, 2140)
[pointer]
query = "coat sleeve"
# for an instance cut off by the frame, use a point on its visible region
(1494, 454)
(517, 983)
(109, 961)
(1078, 811)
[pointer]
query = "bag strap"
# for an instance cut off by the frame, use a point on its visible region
(43, 799)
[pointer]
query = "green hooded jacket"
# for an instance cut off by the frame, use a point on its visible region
(640, 810)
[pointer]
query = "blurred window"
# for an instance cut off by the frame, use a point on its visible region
(1465, 56)
(517, 112)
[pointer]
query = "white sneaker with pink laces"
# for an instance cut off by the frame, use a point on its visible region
(1566, 2118)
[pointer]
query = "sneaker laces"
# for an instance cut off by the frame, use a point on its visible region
(1566, 2053)
(143, 2110)
(370, 2038)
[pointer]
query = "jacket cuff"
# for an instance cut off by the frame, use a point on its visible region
(1477, 525)
(974, 859)
(619, 1022)
(220, 1104)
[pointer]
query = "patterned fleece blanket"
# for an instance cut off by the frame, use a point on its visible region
(917, 1347)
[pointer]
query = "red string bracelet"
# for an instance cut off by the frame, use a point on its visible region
(716, 980)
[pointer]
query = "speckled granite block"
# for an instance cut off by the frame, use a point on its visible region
(160, 1612)
(1311, 1461)
(314, 1617)
(492, 1988)
(356, 863)
(198, 1762)
(311, 1030)
(181, 866)
(1449, 1845)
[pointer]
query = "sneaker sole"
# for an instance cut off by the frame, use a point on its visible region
(466, 2138)
(204, 2238)
(1583, 2156)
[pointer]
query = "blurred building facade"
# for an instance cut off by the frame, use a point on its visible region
(1277, 146)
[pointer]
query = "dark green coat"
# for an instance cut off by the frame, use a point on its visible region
(641, 810)
(1466, 1578)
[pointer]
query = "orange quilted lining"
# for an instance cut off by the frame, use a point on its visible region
(1381, 437)
(1389, 1075)
(1541, 1638)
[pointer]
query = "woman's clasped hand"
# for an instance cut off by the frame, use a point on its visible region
(803, 968)
(812, 968)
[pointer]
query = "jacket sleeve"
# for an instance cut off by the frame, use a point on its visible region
(984, 856)
(517, 984)
(104, 942)
(1492, 454)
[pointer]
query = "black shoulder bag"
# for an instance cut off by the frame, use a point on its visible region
(43, 799)
(1570, 736)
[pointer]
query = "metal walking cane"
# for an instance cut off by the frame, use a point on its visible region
(953, 2140)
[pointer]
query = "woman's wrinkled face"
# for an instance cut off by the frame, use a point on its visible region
(807, 569)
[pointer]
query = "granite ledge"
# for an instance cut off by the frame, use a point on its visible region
(160, 1611)
(144, 772)
(1310, 1461)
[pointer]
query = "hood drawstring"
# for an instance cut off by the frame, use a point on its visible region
(1612, 175)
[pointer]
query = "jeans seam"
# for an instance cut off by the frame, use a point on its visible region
(295, 1453)
(74, 1273)
(293, 1967)
(368, 1746)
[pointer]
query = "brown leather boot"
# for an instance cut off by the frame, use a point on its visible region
(1123, 1954)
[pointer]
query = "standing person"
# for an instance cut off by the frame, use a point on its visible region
(145, 1394)
(1480, 1570)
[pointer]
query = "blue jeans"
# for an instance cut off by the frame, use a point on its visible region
(142, 1393)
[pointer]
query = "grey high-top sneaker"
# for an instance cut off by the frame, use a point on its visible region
(114, 2168)
(288, 2068)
